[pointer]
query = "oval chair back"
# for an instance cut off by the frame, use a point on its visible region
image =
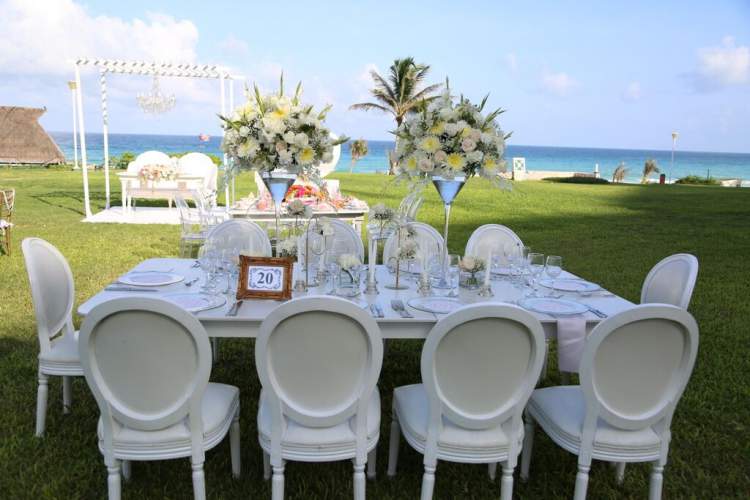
(243, 234)
(671, 281)
(479, 367)
(147, 362)
(319, 359)
(52, 289)
(344, 240)
(148, 158)
(634, 369)
(199, 164)
(427, 237)
(491, 237)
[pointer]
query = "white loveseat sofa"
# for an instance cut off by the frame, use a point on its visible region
(194, 172)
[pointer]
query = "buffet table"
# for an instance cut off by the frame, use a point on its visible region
(250, 315)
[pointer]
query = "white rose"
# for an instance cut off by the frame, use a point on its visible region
(440, 156)
(468, 145)
(475, 156)
(289, 136)
(301, 140)
(285, 156)
(425, 165)
(244, 131)
(475, 134)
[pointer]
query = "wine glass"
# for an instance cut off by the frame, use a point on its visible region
(207, 262)
(536, 266)
(553, 268)
(454, 274)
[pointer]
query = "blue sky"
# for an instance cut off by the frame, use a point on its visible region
(598, 74)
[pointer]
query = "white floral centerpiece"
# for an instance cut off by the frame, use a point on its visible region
(278, 132)
(156, 173)
(450, 139)
(471, 265)
(350, 269)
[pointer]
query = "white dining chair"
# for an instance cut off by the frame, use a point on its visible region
(479, 366)
(147, 361)
(192, 232)
(428, 239)
(53, 294)
(318, 360)
(344, 240)
(671, 281)
(242, 234)
(491, 237)
(634, 369)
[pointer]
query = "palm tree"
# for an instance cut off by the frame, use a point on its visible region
(619, 174)
(400, 93)
(357, 149)
(650, 167)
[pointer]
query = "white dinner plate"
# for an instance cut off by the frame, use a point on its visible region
(554, 307)
(570, 285)
(194, 302)
(438, 305)
(150, 279)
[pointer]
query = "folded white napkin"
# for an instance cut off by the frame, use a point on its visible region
(571, 336)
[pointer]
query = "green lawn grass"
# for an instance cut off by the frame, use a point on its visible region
(611, 234)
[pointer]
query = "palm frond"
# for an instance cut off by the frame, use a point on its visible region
(367, 106)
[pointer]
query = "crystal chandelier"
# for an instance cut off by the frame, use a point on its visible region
(155, 102)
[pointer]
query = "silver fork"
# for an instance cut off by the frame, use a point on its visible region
(398, 306)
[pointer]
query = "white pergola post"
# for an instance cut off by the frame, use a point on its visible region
(227, 202)
(105, 132)
(73, 92)
(82, 131)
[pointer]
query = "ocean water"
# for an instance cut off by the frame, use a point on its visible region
(719, 165)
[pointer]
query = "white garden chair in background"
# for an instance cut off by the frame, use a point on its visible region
(479, 366)
(491, 237)
(147, 362)
(242, 235)
(318, 360)
(671, 281)
(410, 205)
(428, 239)
(53, 294)
(634, 369)
(192, 233)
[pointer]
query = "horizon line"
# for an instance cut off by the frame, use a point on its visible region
(677, 150)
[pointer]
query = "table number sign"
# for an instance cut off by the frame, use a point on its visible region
(265, 278)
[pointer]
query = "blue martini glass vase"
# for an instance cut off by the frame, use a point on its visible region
(448, 189)
(278, 184)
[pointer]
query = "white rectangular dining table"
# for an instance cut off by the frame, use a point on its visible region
(247, 321)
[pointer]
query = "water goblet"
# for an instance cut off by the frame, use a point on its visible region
(536, 266)
(454, 274)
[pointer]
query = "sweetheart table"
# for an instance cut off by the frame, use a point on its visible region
(247, 321)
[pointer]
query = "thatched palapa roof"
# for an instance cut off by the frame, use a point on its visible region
(23, 140)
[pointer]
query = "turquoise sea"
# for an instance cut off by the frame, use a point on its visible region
(719, 165)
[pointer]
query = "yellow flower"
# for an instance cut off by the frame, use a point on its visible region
(306, 156)
(429, 144)
(411, 164)
(489, 164)
(466, 132)
(455, 161)
(282, 111)
(438, 128)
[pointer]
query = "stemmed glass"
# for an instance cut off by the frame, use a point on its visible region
(553, 268)
(454, 274)
(536, 266)
(207, 259)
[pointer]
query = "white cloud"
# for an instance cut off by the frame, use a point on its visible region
(559, 84)
(511, 60)
(41, 37)
(632, 92)
(727, 64)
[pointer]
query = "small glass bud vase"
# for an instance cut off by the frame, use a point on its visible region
(349, 283)
(470, 281)
(424, 285)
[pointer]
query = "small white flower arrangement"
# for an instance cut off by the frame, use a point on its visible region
(297, 209)
(288, 248)
(450, 139)
(277, 131)
(156, 173)
(408, 249)
(471, 265)
(381, 218)
(349, 262)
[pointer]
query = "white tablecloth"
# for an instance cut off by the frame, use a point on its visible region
(252, 312)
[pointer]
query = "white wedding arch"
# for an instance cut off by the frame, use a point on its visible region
(156, 69)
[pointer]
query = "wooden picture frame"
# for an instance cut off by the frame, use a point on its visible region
(260, 270)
